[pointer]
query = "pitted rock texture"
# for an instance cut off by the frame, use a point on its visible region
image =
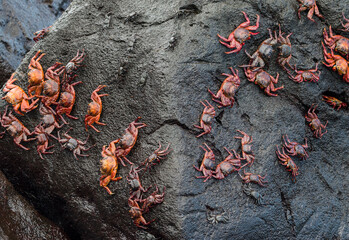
(158, 62)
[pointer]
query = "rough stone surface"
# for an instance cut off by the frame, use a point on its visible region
(158, 62)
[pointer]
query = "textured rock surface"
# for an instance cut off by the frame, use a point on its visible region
(158, 62)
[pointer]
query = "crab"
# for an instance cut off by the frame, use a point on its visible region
(36, 75)
(207, 164)
(128, 140)
(40, 34)
(294, 148)
(257, 197)
(52, 84)
(227, 90)
(206, 118)
(17, 97)
(109, 166)
(263, 53)
(246, 148)
(136, 214)
(42, 136)
(153, 199)
(228, 165)
(75, 62)
(311, 5)
(337, 42)
(95, 109)
(73, 144)
(310, 75)
(135, 183)
(264, 80)
(337, 62)
(48, 118)
(241, 34)
(285, 50)
(334, 102)
(251, 177)
(345, 25)
(315, 123)
(217, 218)
(288, 162)
(16, 129)
(156, 155)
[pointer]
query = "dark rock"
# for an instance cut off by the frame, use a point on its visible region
(130, 47)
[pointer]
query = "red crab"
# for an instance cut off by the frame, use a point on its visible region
(36, 75)
(305, 75)
(73, 144)
(338, 63)
(52, 84)
(334, 102)
(241, 34)
(206, 118)
(294, 148)
(246, 148)
(264, 80)
(156, 155)
(75, 62)
(95, 109)
(40, 34)
(337, 42)
(311, 5)
(228, 89)
(207, 164)
(285, 50)
(315, 123)
(16, 129)
(17, 97)
(228, 165)
(135, 183)
(42, 138)
(136, 214)
(346, 25)
(48, 118)
(251, 177)
(153, 199)
(128, 140)
(109, 166)
(288, 162)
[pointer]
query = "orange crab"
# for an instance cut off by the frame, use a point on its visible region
(17, 97)
(206, 118)
(334, 102)
(336, 42)
(36, 75)
(311, 5)
(337, 62)
(95, 109)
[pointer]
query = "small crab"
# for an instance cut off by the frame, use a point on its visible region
(251, 177)
(246, 148)
(305, 75)
(17, 97)
(294, 148)
(40, 34)
(285, 50)
(128, 140)
(75, 62)
(156, 155)
(153, 199)
(315, 123)
(207, 164)
(42, 138)
(95, 109)
(48, 118)
(217, 218)
(135, 183)
(345, 25)
(257, 197)
(228, 89)
(311, 5)
(337, 42)
(206, 118)
(228, 165)
(334, 102)
(337, 62)
(36, 75)
(16, 129)
(109, 166)
(264, 80)
(73, 144)
(288, 162)
(241, 34)
(136, 214)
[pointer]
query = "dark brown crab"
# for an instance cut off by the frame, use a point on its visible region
(156, 155)
(135, 183)
(285, 50)
(228, 165)
(315, 123)
(246, 148)
(152, 200)
(336, 42)
(43, 140)
(311, 5)
(310, 75)
(206, 118)
(288, 162)
(136, 214)
(294, 148)
(48, 118)
(207, 165)
(255, 178)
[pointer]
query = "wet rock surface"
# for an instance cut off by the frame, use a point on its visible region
(158, 62)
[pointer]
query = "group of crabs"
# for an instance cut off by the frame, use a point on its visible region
(255, 73)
